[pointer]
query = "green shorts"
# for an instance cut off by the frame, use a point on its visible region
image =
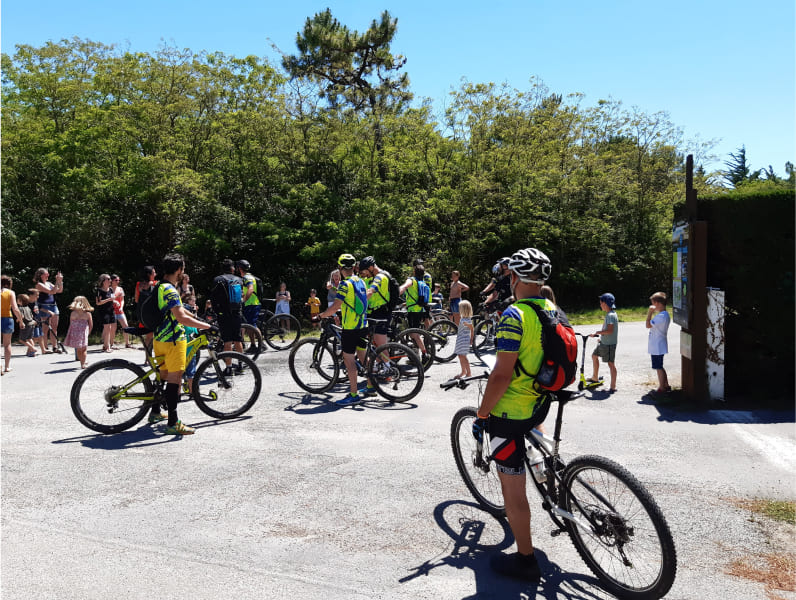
(605, 351)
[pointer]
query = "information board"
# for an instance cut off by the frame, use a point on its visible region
(681, 291)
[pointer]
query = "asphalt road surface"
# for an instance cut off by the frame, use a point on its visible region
(301, 499)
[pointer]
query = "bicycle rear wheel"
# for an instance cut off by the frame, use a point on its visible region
(111, 395)
(314, 366)
(472, 459)
(626, 541)
(401, 378)
(281, 331)
(225, 396)
(253, 335)
(444, 334)
(405, 338)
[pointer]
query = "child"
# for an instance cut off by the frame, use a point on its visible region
(189, 303)
(606, 349)
(80, 324)
(26, 333)
(464, 339)
(315, 308)
(210, 315)
(658, 345)
(38, 334)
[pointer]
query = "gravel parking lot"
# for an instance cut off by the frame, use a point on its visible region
(301, 499)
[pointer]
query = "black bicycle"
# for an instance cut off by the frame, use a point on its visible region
(614, 522)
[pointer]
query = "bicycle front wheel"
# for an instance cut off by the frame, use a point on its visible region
(444, 334)
(226, 391)
(401, 377)
(622, 535)
(111, 395)
(314, 365)
(253, 335)
(472, 459)
(281, 331)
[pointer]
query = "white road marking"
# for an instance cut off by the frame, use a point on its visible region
(778, 450)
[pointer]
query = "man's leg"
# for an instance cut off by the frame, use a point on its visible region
(351, 368)
(518, 511)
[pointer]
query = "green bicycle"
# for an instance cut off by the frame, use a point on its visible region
(113, 395)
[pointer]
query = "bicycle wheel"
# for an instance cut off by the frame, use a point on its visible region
(625, 540)
(444, 334)
(484, 340)
(281, 331)
(111, 395)
(314, 366)
(400, 379)
(226, 396)
(472, 459)
(255, 339)
(405, 338)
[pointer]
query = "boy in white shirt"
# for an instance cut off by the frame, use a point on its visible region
(658, 323)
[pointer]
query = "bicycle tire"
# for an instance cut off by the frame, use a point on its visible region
(404, 369)
(255, 337)
(92, 401)
(276, 335)
(405, 338)
(626, 524)
(444, 333)
(226, 396)
(314, 366)
(484, 339)
(478, 473)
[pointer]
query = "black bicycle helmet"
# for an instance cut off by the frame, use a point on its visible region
(496, 269)
(346, 261)
(243, 264)
(367, 262)
(530, 265)
(505, 260)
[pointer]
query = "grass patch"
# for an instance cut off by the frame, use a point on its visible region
(777, 510)
(596, 316)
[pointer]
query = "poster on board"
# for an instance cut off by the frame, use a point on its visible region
(681, 300)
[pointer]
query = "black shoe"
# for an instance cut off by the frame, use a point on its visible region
(228, 372)
(517, 566)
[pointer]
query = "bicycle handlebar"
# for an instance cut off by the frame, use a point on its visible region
(463, 382)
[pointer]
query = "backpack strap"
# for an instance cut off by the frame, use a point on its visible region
(518, 368)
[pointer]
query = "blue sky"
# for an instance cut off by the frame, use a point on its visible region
(722, 70)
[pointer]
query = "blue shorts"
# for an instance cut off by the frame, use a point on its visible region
(657, 361)
(190, 369)
(50, 306)
(8, 325)
(455, 305)
(252, 313)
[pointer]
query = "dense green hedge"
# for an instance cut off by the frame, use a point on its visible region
(751, 257)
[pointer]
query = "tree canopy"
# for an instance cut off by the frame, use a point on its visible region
(112, 158)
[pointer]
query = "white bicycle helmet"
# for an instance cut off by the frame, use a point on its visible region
(531, 265)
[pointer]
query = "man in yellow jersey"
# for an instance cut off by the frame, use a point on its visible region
(415, 312)
(512, 406)
(379, 302)
(251, 299)
(170, 341)
(352, 301)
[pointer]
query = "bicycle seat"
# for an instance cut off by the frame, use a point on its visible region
(139, 331)
(564, 396)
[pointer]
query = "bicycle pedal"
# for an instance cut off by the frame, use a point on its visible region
(557, 532)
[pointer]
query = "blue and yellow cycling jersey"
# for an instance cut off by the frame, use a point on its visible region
(169, 330)
(380, 285)
(254, 299)
(355, 303)
(412, 295)
(520, 332)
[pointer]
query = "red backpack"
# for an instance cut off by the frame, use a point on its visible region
(560, 348)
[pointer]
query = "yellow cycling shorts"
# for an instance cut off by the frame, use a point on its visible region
(171, 355)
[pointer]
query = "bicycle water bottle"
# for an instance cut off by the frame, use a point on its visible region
(536, 460)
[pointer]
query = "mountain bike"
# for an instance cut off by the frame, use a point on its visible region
(613, 521)
(113, 395)
(394, 369)
(439, 338)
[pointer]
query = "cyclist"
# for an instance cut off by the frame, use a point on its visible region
(418, 262)
(378, 292)
(498, 289)
(170, 342)
(226, 296)
(414, 311)
(352, 301)
(512, 405)
(251, 299)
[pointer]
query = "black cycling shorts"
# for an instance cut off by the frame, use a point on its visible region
(382, 312)
(415, 319)
(351, 339)
(507, 440)
(229, 327)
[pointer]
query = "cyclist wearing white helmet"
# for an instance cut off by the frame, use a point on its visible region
(498, 289)
(352, 301)
(512, 405)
